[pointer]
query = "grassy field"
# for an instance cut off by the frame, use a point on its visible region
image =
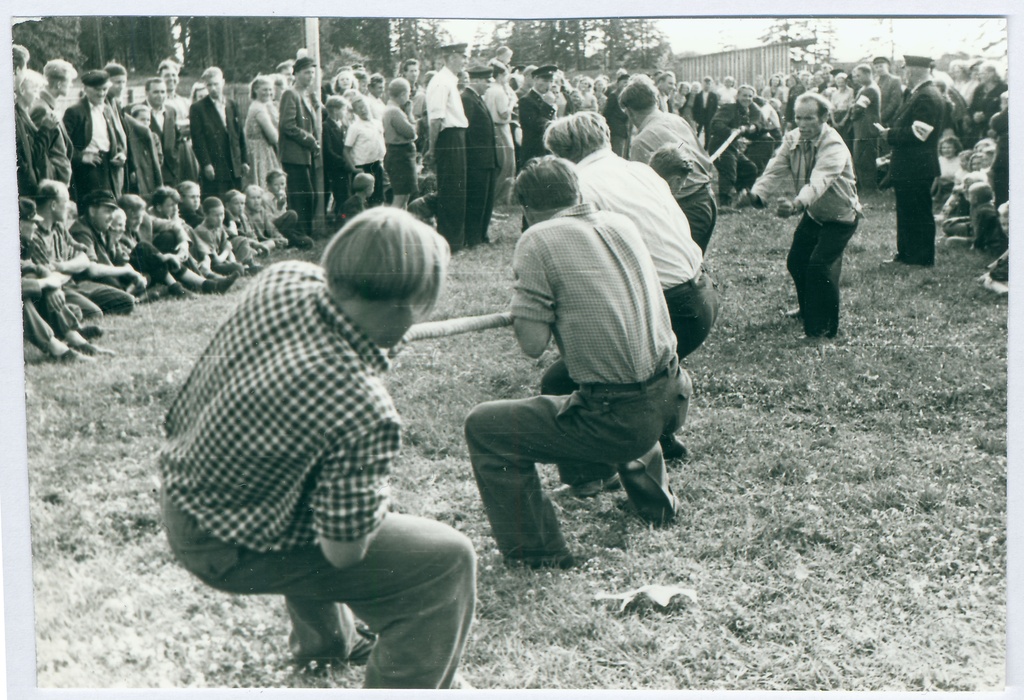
(844, 519)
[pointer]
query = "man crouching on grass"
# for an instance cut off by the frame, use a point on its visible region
(585, 277)
(278, 451)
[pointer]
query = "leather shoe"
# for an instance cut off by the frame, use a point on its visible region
(90, 332)
(591, 489)
(360, 654)
(672, 447)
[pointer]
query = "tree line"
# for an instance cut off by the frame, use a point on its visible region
(245, 46)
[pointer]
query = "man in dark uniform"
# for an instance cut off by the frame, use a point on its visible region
(535, 114)
(447, 146)
(914, 137)
(101, 151)
(481, 155)
(735, 171)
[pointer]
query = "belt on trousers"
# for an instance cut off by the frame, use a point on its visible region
(635, 386)
(691, 283)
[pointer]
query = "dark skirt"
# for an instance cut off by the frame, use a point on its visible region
(400, 165)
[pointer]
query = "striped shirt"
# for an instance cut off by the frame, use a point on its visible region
(283, 433)
(587, 274)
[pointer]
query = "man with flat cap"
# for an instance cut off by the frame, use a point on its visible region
(890, 89)
(481, 154)
(914, 139)
(300, 139)
(535, 114)
(447, 146)
(101, 148)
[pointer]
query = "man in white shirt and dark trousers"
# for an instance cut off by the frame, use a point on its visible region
(447, 147)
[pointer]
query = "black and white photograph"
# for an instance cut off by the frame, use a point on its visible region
(615, 347)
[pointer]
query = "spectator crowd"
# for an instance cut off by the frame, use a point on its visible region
(125, 201)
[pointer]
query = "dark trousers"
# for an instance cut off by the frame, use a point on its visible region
(376, 168)
(104, 176)
(301, 197)
(915, 223)
(416, 587)
(584, 433)
(109, 298)
(145, 257)
(288, 225)
(815, 263)
(865, 153)
(692, 308)
(450, 161)
(735, 173)
(702, 214)
(218, 186)
(479, 204)
(37, 330)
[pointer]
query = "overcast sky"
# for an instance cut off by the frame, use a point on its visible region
(855, 37)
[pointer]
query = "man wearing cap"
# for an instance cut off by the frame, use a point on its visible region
(864, 114)
(51, 324)
(112, 285)
(447, 145)
(914, 138)
(301, 136)
(481, 155)
(890, 89)
(618, 122)
(535, 113)
(101, 148)
(218, 138)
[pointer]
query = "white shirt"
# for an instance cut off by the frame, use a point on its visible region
(614, 184)
(158, 117)
(221, 110)
(100, 142)
(727, 95)
(366, 139)
(444, 101)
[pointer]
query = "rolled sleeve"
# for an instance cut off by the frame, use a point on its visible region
(351, 496)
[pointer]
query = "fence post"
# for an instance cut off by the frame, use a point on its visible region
(311, 26)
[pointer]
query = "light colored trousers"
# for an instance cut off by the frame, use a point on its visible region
(416, 588)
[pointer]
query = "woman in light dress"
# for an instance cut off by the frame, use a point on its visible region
(261, 131)
(501, 102)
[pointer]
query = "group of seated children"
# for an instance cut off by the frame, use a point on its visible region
(112, 254)
(969, 215)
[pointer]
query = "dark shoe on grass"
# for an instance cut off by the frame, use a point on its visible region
(592, 489)
(360, 654)
(563, 560)
(90, 332)
(218, 286)
(672, 447)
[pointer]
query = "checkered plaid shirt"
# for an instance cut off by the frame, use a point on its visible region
(284, 431)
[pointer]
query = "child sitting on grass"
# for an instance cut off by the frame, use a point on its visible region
(212, 246)
(989, 235)
(362, 187)
(956, 214)
(998, 276)
(949, 165)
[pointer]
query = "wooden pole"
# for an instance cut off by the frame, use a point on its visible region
(311, 26)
